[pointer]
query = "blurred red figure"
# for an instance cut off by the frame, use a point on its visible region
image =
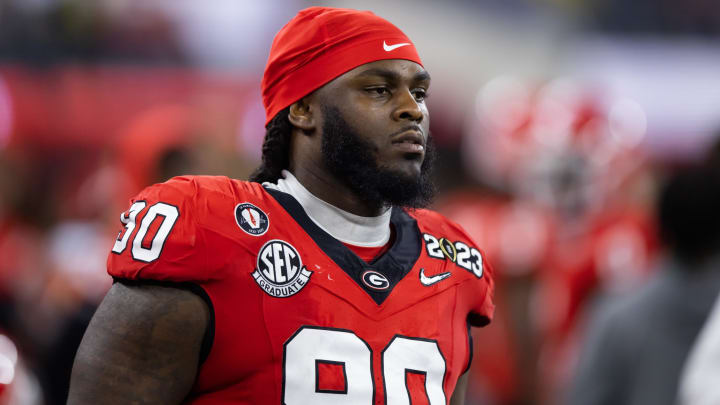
(517, 236)
(565, 222)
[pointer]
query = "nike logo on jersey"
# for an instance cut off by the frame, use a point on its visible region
(428, 281)
(389, 48)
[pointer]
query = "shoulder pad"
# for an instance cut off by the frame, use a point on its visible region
(448, 240)
(162, 235)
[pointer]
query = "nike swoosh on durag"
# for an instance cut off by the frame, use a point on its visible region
(389, 48)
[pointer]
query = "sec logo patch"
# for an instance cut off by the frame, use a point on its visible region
(251, 219)
(280, 271)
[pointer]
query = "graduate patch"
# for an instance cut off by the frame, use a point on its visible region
(280, 271)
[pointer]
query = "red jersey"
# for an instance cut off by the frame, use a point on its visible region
(297, 317)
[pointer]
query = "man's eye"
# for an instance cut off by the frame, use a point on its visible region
(420, 95)
(379, 91)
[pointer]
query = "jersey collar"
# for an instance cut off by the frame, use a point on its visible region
(341, 225)
(394, 264)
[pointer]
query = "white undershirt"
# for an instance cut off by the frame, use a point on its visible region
(341, 225)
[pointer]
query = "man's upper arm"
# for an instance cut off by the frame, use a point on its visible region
(142, 346)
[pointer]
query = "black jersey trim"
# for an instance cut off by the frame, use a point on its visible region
(478, 320)
(196, 289)
(394, 264)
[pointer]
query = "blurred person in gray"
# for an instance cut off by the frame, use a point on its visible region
(636, 344)
(698, 383)
(700, 376)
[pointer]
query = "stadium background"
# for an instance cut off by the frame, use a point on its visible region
(556, 120)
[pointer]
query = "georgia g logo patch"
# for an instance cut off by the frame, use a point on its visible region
(279, 270)
(251, 219)
(375, 280)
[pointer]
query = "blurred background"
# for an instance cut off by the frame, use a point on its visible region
(556, 121)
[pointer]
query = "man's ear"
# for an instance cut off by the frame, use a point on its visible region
(301, 115)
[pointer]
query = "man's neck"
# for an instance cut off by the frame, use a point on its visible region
(330, 189)
(356, 230)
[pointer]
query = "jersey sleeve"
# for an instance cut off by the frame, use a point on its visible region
(477, 289)
(159, 237)
(483, 309)
(478, 293)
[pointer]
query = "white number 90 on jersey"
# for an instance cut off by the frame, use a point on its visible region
(311, 345)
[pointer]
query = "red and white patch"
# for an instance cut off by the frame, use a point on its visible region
(251, 219)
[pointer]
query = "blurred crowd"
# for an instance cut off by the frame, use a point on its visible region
(554, 176)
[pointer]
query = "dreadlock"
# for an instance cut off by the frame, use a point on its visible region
(275, 149)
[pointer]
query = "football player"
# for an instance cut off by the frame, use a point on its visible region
(320, 281)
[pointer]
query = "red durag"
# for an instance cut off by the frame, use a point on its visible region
(320, 44)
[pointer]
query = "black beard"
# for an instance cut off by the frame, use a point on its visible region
(352, 159)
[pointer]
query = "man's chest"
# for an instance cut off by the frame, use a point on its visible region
(291, 318)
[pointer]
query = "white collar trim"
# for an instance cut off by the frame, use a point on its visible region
(342, 225)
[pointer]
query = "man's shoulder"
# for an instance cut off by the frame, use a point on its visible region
(629, 315)
(446, 240)
(203, 197)
(430, 221)
(428, 217)
(648, 302)
(188, 188)
(182, 229)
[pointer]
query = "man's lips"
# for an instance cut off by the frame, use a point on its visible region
(409, 141)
